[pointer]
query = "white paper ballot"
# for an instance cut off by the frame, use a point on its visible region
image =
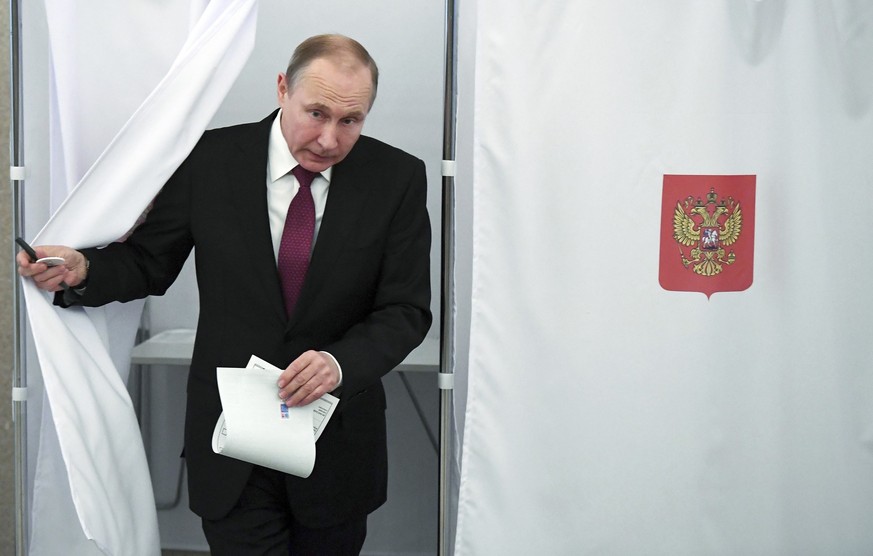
(255, 425)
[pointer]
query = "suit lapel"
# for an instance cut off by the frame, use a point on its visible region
(248, 182)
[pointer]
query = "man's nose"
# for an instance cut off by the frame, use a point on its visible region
(327, 138)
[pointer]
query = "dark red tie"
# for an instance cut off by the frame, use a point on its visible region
(297, 239)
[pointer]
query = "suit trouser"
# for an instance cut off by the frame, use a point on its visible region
(261, 523)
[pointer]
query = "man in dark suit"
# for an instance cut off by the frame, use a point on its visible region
(362, 307)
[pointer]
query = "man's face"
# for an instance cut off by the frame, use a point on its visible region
(322, 116)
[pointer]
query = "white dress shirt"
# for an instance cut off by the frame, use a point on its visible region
(282, 186)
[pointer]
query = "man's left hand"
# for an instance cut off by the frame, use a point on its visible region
(307, 378)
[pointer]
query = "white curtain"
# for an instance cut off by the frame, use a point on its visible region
(133, 87)
(606, 414)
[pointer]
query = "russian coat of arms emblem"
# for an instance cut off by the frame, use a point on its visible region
(707, 233)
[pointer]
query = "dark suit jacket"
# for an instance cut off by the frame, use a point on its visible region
(365, 300)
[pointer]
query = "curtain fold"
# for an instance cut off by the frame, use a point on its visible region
(92, 490)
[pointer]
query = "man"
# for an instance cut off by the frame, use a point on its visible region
(362, 307)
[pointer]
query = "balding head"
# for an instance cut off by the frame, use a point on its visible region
(341, 50)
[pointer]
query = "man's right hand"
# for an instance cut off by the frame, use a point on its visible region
(73, 272)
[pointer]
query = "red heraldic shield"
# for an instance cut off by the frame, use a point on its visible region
(707, 233)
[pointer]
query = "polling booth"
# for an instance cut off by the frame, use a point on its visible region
(649, 265)
(102, 86)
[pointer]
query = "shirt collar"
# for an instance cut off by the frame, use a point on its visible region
(279, 158)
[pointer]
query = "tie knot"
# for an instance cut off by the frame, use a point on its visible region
(304, 176)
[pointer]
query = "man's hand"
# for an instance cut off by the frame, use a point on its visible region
(307, 378)
(49, 278)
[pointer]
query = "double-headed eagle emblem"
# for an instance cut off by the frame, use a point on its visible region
(707, 228)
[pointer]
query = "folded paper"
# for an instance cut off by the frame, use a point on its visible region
(256, 426)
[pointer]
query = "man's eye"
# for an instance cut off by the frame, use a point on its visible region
(349, 121)
(315, 113)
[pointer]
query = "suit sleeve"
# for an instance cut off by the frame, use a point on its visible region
(149, 261)
(400, 315)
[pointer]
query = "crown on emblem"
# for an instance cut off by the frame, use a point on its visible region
(711, 198)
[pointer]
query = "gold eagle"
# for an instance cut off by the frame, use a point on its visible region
(687, 232)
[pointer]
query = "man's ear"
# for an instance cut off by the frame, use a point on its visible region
(281, 86)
